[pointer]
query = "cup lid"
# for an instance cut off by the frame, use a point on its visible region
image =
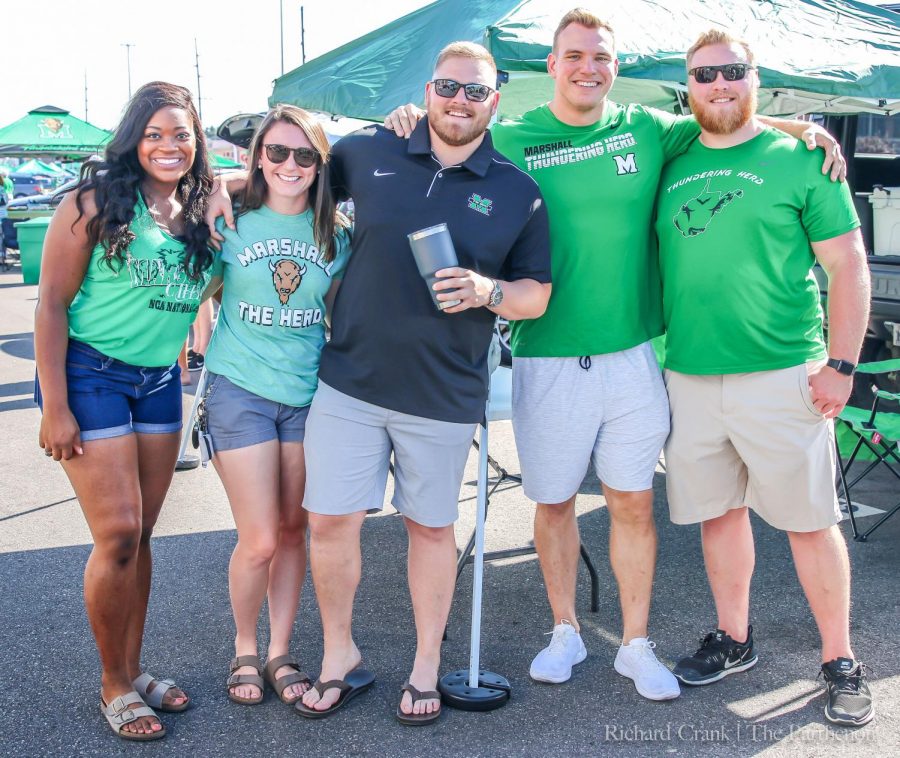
(422, 233)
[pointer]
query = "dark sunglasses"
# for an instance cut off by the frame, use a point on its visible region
(477, 93)
(731, 72)
(303, 156)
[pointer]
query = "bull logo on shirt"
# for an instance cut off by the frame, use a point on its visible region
(694, 215)
(286, 276)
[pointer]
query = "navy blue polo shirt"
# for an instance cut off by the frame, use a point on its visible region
(389, 345)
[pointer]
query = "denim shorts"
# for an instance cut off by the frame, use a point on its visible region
(110, 398)
(240, 418)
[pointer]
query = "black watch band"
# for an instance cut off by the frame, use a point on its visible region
(842, 367)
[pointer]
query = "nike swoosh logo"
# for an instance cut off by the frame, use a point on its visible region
(384, 173)
(730, 664)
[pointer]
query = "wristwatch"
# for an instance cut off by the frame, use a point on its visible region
(496, 295)
(842, 367)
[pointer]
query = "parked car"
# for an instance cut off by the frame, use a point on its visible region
(26, 185)
(870, 172)
(22, 206)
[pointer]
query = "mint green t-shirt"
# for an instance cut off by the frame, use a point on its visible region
(140, 311)
(271, 327)
(599, 183)
(735, 227)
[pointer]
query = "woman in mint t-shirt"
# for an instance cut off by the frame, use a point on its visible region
(124, 267)
(279, 266)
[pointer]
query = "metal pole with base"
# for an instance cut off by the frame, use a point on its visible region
(187, 462)
(475, 689)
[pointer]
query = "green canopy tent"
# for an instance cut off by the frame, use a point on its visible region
(38, 168)
(220, 162)
(823, 56)
(52, 131)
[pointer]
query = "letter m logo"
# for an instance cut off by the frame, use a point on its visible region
(626, 164)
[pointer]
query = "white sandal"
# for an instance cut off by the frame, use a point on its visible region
(118, 713)
(154, 698)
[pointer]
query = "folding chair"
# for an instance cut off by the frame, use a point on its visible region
(876, 429)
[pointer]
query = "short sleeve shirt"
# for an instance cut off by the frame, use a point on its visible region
(599, 182)
(390, 346)
(735, 227)
(271, 327)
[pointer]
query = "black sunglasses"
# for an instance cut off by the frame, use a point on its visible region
(731, 72)
(477, 93)
(303, 156)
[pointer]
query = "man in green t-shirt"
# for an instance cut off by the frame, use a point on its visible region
(586, 383)
(742, 217)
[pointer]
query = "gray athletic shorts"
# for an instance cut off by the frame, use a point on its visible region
(240, 418)
(567, 412)
(349, 449)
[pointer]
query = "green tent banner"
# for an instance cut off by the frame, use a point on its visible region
(52, 131)
(815, 56)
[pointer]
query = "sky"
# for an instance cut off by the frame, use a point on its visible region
(49, 46)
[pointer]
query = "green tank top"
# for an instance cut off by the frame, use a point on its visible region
(140, 311)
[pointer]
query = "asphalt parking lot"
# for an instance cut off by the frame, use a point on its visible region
(49, 691)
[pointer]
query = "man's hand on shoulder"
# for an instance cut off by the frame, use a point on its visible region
(815, 136)
(220, 204)
(402, 121)
(829, 390)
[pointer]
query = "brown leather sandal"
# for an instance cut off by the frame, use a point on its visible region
(282, 683)
(418, 719)
(237, 679)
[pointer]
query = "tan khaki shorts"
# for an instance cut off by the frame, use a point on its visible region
(751, 439)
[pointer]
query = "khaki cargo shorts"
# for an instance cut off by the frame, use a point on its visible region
(753, 439)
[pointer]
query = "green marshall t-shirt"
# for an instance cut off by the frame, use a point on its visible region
(599, 183)
(138, 312)
(271, 328)
(735, 227)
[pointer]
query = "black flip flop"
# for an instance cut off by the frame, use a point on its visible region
(418, 719)
(354, 683)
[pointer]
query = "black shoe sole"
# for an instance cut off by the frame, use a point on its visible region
(719, 675)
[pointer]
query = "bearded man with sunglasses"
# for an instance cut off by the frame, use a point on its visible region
(743, 215)
(586, 385)
(400, 375)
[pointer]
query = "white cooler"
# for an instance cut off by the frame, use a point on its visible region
(886, 220)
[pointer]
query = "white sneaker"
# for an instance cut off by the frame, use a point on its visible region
(554, 663)
(638, 662)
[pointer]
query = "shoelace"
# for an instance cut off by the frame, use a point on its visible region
(846, 683)
(647, 655)
(558, 640)
(709, 646)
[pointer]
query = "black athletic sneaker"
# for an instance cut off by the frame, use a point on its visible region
(718, 656)
(195, 361)
(849, 701)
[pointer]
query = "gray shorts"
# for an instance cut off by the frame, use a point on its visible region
(240, 418)
(610, 409)
(350, 444)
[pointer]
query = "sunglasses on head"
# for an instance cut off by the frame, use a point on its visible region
(731, 72)
(477, 93)
(303, 156)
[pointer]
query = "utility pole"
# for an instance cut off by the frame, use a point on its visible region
(281, 27)
(197, 66)
(302, 36)
(128, 46)
(85, 96)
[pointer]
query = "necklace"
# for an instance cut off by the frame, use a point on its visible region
(163, 220)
